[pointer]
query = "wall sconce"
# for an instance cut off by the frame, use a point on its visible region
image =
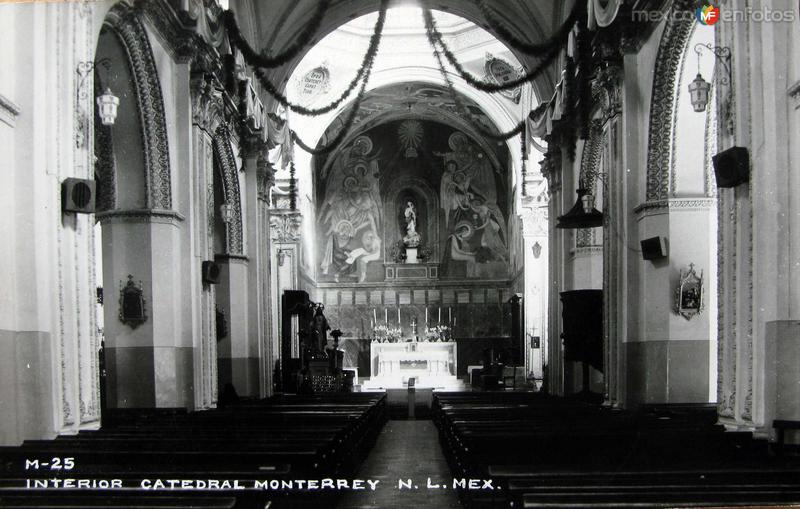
(699, 88)
(107, 103)
(226, 212)
(537, 250)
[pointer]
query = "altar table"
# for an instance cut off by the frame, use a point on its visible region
(424, 360)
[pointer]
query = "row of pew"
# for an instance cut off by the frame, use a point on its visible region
(284, 438)
(543, 452)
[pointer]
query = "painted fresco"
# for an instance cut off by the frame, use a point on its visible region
(432, 179)
(350, 218)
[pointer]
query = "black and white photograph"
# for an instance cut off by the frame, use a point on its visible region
(388, 254)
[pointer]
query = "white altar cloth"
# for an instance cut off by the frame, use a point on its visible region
(430, 363)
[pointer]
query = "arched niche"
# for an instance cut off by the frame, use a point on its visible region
(426, 203)
(227, 179)
(133, 156)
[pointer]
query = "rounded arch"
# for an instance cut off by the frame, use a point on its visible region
(662, 102)
(223, 153)
(395, 193)
(124, 23)
(522, 18)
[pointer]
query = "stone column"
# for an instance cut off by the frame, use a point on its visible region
(259, 178)
(535, 253)
(552, 169)
(285, 225)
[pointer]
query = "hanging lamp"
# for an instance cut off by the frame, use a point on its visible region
(582, 214)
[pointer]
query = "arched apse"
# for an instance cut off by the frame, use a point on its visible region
(457, 183)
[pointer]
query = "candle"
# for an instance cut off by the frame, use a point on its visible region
(426, 316)
(374, 315)
(450, 315)
(386, 316)
(440, 315)
(398, 316)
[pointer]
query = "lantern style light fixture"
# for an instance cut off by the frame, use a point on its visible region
(226, 212)
(107, 107)
(582, 214)
(699, 89)
(107, 103)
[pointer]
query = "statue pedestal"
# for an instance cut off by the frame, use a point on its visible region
(411, 255)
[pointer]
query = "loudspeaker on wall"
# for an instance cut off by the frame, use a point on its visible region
(210, 272)
(654, 248)
(732, 167)
(77, 195)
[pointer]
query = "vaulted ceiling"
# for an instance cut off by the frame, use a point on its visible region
(278, 23)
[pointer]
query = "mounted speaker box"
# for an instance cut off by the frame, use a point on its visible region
(210, 273)
(77, 195)
(654, 248)
(732, 167)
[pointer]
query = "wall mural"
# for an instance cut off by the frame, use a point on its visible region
(429, 178)
(350, 218)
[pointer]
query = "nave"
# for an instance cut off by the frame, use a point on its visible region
(481, 450)
(245, 238)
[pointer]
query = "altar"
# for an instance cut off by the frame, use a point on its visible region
(431, 364)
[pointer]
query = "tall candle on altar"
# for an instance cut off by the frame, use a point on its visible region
(440, 315)
(426, 316)
(398, 317)
(386, 316)
(374, 315)
(450, 315)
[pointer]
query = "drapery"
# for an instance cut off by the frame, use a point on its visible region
(602, 12)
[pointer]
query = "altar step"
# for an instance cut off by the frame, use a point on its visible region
(443, 383)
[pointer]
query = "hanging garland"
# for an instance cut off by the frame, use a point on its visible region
(261, 59)
(366, 63)
(435, 36)
(462, 109)
(526, 47)
(346, 126)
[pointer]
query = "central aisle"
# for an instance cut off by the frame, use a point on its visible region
(405, 450)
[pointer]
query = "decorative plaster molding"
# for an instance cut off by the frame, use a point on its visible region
(284, 226)
(230, 179)
(652, 208)
(8, 111)
(586, 251)
(671, 48)
(207, 104)
(126, 25)
(140, 216)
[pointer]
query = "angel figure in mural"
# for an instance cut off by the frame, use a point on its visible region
(350, 210)
(468, 197)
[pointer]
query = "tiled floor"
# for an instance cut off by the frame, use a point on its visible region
(406, 451)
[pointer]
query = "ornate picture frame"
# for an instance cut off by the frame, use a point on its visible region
(689, 294)
(132, 310)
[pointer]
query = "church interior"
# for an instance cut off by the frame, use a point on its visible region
(400, 253)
